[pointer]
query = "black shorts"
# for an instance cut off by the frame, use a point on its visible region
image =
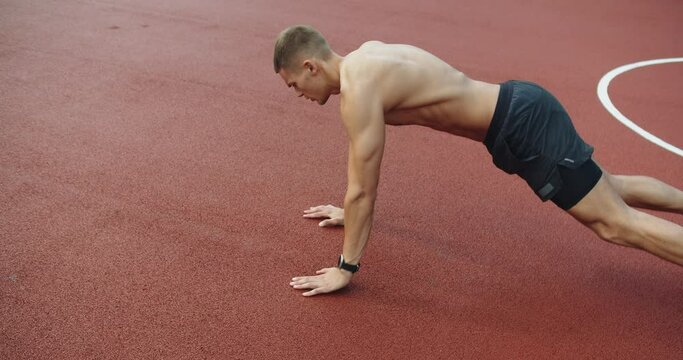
(531, 135)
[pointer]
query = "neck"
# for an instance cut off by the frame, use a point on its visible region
(332, 71)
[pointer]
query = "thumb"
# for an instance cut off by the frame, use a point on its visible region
(332, 222)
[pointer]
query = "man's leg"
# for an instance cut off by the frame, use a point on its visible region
(604, 211)
(648, 193)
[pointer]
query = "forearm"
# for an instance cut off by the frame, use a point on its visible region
(358, 215)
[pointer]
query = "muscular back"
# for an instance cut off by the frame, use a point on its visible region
(417, 88)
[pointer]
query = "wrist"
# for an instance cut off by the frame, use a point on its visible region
(346, 275)
(350, 268)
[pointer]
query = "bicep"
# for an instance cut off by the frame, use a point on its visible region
(364, 121)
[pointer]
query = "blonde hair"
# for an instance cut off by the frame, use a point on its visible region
(297, 41)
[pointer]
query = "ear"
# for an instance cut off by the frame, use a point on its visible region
(311, 66)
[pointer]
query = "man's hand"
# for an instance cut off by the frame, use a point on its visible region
(334, 215)
(327, 280)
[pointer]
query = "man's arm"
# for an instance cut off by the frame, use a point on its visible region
(363, 117)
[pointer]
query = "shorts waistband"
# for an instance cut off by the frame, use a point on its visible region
(499, 115)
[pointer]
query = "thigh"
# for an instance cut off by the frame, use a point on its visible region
(615, 180)
(601, 204)
(577, 183)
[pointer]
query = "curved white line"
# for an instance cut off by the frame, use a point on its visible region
(607, 103)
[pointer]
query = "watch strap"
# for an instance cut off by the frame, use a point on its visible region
(346, 266)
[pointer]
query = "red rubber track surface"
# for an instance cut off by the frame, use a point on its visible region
(154, 170)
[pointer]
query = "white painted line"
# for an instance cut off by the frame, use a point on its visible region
(607, 103)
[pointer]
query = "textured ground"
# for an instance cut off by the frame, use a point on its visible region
(153, 171)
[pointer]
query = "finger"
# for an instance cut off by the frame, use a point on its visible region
(318, 213)
(322, 208)
(323, 271)
(303, 284)
(329, 222)
(315, 215)
(306, 286)
(301, 280)
(315, 208)
(314, 292)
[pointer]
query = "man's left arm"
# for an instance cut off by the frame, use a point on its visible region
(363, 117)
(364, 120)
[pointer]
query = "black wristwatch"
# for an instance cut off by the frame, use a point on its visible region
(346, 266)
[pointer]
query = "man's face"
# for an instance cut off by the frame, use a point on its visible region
(308, 82)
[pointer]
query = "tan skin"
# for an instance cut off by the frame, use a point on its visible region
(387, 84)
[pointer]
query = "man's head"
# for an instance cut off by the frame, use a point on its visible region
(302, 58)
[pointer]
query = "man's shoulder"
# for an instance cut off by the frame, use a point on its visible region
(370, 43)
(367, 49)
(362, 65)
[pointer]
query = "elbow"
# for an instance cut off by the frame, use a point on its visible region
(354, 196)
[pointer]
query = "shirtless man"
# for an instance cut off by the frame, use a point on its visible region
(524, 127)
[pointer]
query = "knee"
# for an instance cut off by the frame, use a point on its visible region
(606, 231)
(617, 230)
